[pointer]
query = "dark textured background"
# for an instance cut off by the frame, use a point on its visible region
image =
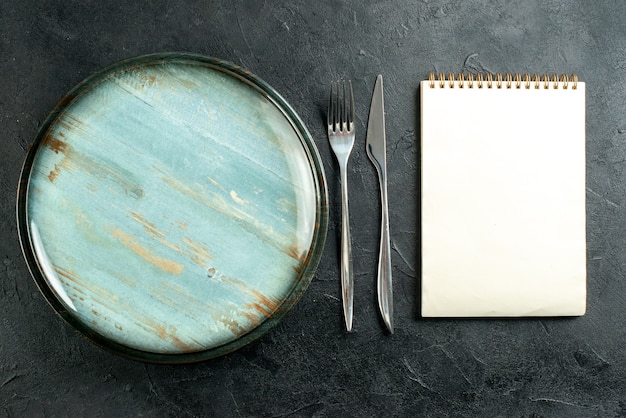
(308, 365)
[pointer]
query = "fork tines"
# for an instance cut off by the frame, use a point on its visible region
(340, 117)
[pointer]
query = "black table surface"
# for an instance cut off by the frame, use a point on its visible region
(308, 365)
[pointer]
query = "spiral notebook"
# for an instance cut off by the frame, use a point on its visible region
(503, 196)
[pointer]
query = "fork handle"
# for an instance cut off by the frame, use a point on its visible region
(347, 275)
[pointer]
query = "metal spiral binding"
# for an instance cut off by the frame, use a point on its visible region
(509, 81)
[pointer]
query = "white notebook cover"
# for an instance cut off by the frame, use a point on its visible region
(503, 201)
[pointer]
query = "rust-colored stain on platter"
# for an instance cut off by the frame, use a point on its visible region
(164, 264)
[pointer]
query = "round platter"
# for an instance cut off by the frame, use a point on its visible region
(173, 208)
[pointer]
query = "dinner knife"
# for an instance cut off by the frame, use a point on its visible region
(376, 150)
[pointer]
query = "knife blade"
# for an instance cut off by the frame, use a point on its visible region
(376, 144)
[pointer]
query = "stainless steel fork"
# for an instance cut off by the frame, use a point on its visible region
(340, 122)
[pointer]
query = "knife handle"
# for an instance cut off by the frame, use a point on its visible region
(347, 275)
(384, 283)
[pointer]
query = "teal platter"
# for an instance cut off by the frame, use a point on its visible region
(173, 208)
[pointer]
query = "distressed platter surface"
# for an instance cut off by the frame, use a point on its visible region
(173, 208)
